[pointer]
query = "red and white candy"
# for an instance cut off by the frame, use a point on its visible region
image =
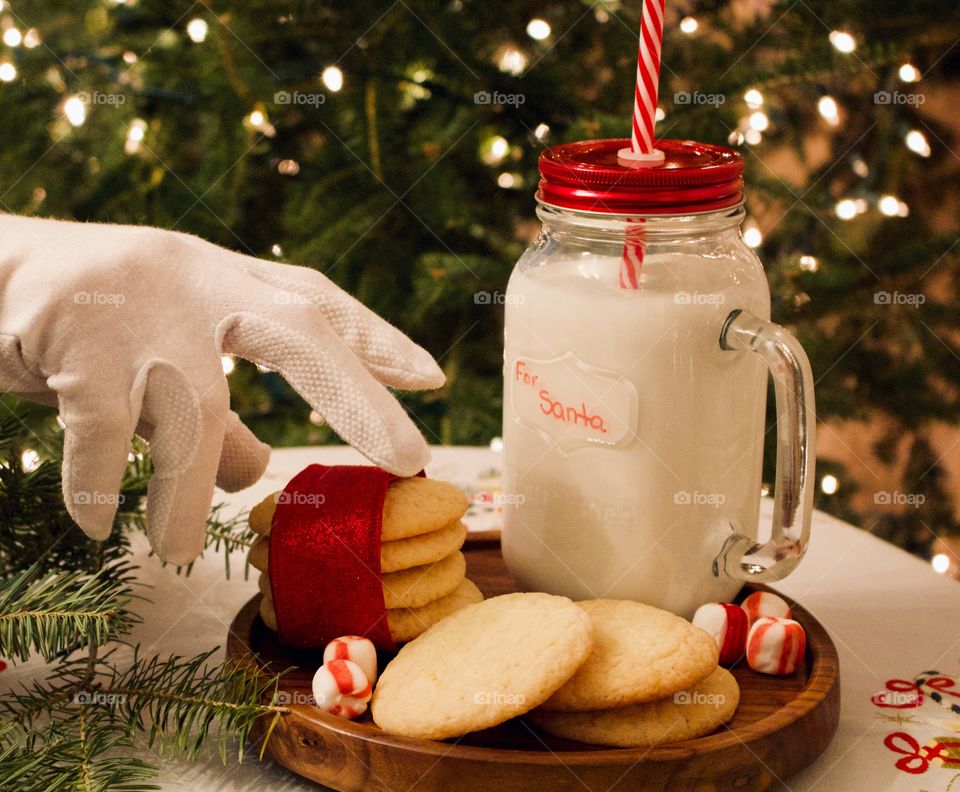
(765, 603)
(728, 625)
(358, 650)
(341, 688)
(775, 646)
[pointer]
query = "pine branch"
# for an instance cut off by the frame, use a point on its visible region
(179, 701)
(62, 611)
(79, 755)
(230, 535)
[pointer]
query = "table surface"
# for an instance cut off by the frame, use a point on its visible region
(890, 615)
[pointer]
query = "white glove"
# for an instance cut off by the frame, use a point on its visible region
(122, 328)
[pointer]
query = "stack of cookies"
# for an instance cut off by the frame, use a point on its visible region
(651, 678)
(606, 672)
(422, 568)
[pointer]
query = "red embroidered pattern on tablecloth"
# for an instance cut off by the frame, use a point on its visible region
(906, 694)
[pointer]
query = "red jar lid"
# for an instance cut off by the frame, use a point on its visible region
(694, 177)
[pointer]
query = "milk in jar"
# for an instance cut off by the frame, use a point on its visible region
(633, 433)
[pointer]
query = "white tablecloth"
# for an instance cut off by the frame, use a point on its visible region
(890, 615)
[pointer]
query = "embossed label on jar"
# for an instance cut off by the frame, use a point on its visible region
(573, 404)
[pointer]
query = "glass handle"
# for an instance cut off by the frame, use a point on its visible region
(742, 557)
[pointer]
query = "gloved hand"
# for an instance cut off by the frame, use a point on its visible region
(123, 327)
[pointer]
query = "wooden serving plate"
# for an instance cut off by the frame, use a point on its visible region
(781, 725)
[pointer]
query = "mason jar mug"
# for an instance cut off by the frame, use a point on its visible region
(637, 350)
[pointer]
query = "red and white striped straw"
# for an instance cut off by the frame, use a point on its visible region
(648, 77)
(642, 153)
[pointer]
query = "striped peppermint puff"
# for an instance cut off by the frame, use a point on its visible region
(341, 688)
(775, 646)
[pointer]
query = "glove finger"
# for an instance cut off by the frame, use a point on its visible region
(243, 458)
(322, 369)
(187, 429)
(390, 355)
(95, 450)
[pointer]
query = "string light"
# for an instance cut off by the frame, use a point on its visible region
(316, 418)
(496, 445)
(12, 37)
(753, 137)
(332, 78)
(541, 132)
(809, 263)
(256, 118)
(753, 98)
(135, 135)
(659, 114)
(288, 167)
(827, 107)
(843, 42)
(495, 149)
(940, 563)
(228, 363)
(829, 484)
(909, 73)
(29, 460)
(751, 234)
(509, 181)
(8, 72)
(917, 143)
(860, 167)
(759, 121)
(538, 29)
(31, 38)
(277, 251)
(512, 61)
(75, 110)
(689, 25)
(197, 30)
(891, 206)
(846, 209)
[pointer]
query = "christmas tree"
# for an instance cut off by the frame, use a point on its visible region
(394, 147)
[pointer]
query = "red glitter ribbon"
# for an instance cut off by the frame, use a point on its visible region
(324, 565)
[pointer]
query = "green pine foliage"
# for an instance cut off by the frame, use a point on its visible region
(71, 601)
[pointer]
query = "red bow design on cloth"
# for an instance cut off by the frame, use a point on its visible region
(916, 758)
